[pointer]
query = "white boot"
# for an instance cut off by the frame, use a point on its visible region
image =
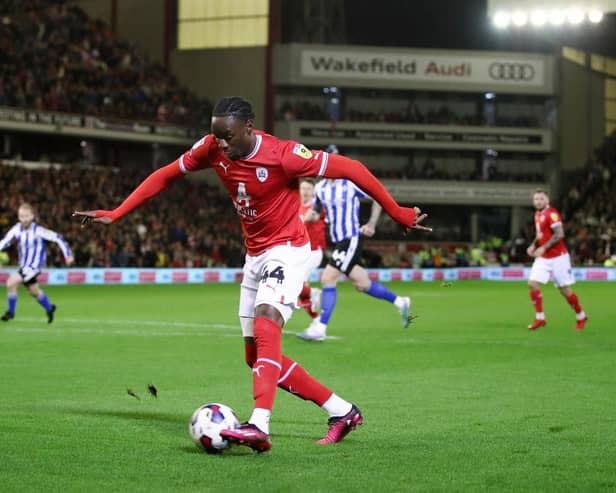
(315, 332)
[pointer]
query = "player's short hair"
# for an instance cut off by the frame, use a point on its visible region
(306, 179)
(541, 190)
(234, 106)
(27, 205)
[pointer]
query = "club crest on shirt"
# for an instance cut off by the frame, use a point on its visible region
(262, 174)
(301, 151)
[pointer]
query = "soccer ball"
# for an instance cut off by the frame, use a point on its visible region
(206, 424)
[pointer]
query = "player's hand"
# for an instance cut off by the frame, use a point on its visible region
(310, 216)
(93, 216)
(419, 218)
(367, 230)
(530, 251)
(539, 252)
(69, 260)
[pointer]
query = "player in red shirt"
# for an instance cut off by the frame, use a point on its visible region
(261, 174)
(551, 259)
(310, 298)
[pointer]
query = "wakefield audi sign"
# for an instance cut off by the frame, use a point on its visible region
(422, 67)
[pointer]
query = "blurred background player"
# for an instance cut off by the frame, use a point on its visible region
(340, 198)
(551, 260)
(261, 174)
(30, 238)
(310, 298)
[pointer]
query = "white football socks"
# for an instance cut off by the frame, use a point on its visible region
(336, 406)
(261, 418)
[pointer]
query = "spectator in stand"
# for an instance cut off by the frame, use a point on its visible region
(55, 58)
(209, 238)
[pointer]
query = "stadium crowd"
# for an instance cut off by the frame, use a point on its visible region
(164, 234)
(190, 225)
(589, 208)
(55, 58)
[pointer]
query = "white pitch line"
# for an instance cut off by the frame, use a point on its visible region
(152, 323)
(137, 323)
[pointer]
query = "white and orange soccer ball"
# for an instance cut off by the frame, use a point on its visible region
(206, 424)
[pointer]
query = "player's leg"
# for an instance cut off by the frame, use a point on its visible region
(329, 297)
(42, 299)
(539, 274)
(263, 351)
(298, 382)
(277, 277)
(362, 282)
(12, 283)
(309, 297)
(563, 278)
(343, 415)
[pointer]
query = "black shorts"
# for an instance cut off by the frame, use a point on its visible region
(29, 275)
(347, 254)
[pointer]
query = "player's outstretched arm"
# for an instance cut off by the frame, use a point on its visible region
(8, 238)
(151, 186)
(343, 167)
(58, 239)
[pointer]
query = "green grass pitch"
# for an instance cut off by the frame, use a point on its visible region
(466, 399)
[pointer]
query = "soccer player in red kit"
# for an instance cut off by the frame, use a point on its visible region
(261, 174)
(310, 298)
(551, 259)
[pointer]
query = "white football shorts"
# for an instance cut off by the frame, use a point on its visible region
(274, 278)
(316, 257)
(557, 268)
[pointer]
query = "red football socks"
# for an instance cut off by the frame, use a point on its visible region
(537, 299)
(574, 302)
(266, 369)
(295, 380)
(305, 301)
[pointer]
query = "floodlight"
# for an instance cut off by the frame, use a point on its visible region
(519, 18)
(595, 16)
(575, 16)
(557, 17)
(538, 18)
(501, 19)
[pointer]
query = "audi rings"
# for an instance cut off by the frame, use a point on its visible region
(516, 72)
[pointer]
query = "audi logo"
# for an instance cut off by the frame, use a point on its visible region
(516, 72)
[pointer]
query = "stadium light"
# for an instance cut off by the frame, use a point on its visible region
(519, 18)
(575, 16)
(538, 18)
(595, 16)
(502, 19)
(557, 17)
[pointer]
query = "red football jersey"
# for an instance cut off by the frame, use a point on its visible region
(263, 186)
(316, 229)
(545, 221)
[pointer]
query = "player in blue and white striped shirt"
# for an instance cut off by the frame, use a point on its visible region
(341, 201)
(30, 238)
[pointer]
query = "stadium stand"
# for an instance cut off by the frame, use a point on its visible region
(55, 58)
(190, 225)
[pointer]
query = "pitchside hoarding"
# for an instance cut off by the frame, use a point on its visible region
(113, 276)
(476, 71)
